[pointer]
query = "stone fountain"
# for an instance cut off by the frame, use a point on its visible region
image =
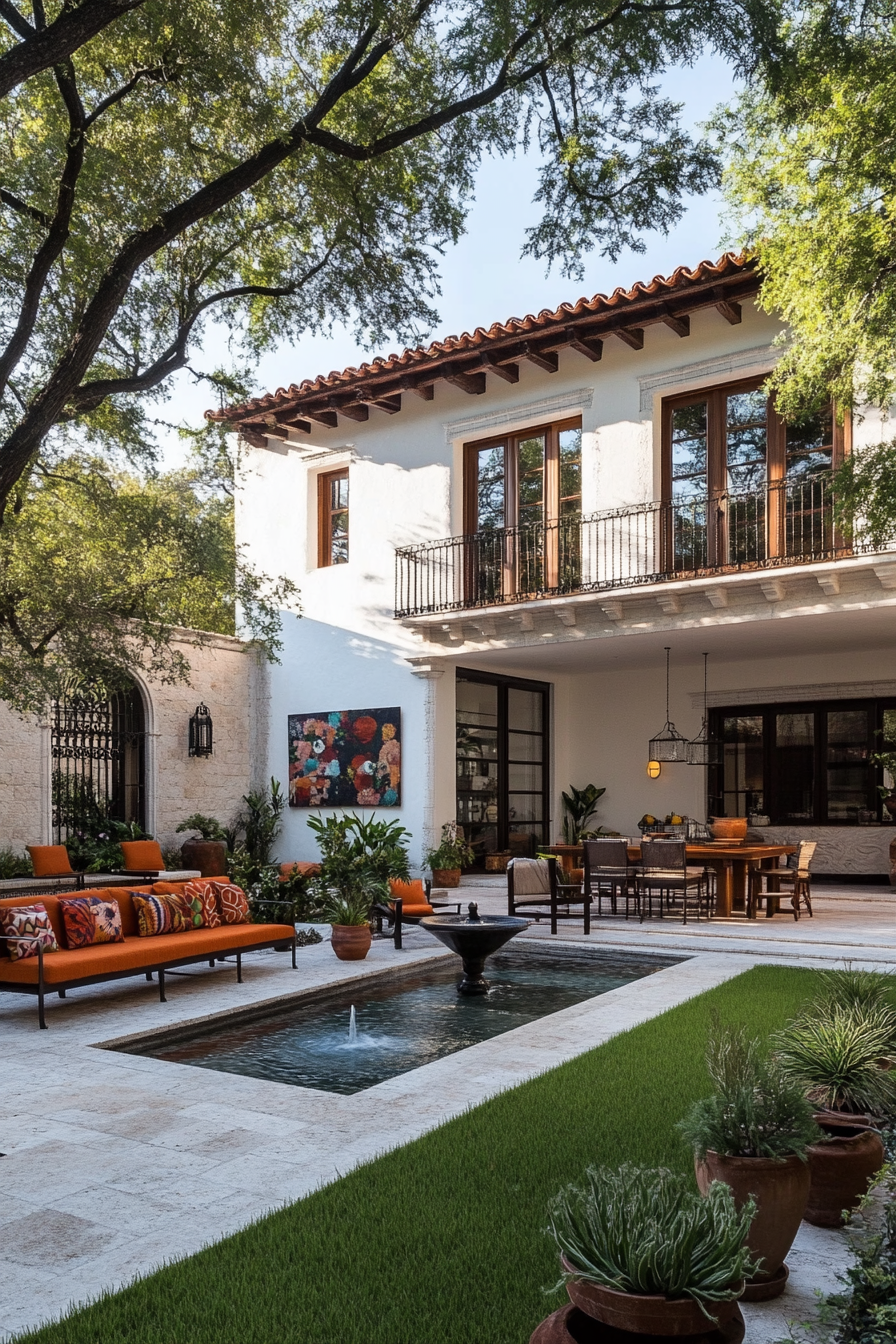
(473, 939)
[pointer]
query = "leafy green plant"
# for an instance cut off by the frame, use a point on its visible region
(579, 806)
(838, 1058)
(864, 992)
(756, 1110)
(209, 828)
(347, 907)
(261, 822)
(643, 1230)
(452, 850)
(359, 856)
(887, 762)
(13, 864)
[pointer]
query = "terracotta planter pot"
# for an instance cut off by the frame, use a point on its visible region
(571, 1326)
(209, 856)
(841, 1168)
(351, 942)
(640, 1314)
(780, 1190)
(729, 828)
(446, 877)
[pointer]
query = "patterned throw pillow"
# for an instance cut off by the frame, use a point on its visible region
(232, 903)
(203, 892)
(162, 914)
(89, 920)
(26, 926)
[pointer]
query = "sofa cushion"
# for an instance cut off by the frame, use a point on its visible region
(25, 927)
(90, 919)
(162, 914)
(142, 856)
(136, 953)
(50, 860)
(203, 891)
(233, 905)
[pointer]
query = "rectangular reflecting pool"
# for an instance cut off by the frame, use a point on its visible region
(402, 1024)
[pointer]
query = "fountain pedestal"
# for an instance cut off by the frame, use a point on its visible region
(474, 939)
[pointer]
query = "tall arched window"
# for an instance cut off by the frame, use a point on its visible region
(98, 752)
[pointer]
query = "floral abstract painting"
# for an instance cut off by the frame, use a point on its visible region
(345, 758)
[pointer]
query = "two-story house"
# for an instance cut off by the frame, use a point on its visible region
(500, 534)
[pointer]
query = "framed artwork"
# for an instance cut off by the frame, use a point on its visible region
(345, 758)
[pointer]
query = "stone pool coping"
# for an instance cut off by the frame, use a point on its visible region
(150, 1160)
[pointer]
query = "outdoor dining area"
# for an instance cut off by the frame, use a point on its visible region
(660, 876)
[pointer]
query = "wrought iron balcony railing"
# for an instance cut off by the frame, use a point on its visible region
(782, 524)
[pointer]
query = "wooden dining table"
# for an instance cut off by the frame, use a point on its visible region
(730, 861)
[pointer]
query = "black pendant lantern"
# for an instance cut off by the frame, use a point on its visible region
(669, 745)
(704, 750)
(201, 732)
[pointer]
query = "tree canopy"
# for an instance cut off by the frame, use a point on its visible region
(812, 177)
(278, 165)
(97, 566)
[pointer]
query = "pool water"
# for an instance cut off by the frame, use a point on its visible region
(404, 1024)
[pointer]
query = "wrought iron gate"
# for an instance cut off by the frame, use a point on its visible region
(98, 750)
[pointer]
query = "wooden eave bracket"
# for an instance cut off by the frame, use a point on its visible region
(548, 360)
(729, 308)
(632, 336)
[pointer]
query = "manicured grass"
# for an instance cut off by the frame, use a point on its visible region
(442, 1241)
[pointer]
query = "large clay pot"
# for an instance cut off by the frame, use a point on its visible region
(780, 1190)
(571, 1326)
(351, 942)
(841, 1168)
(209, 856)
(653, 1314)
(729, 828)
(446, 877)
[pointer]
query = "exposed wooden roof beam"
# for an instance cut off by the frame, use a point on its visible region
(422, 390)
(592, 348)
(730, 310)
(352, 410)
(679, 323)
(471, 383)
(542, 359)
(391, 405)
(509, 372)
(276, 432)
(293, 422)
(322, 416)
(633, 336)
(253, 436)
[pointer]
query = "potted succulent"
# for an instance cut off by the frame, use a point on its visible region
(753, 1133)
(452, 854)
(349, 914)
(841, 1051)
(209, 852)
(641, 1251)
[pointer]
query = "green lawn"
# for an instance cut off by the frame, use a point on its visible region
(442, 1241)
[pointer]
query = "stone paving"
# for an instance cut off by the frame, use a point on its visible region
(114, 1163)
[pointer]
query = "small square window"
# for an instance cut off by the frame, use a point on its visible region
(332, 525)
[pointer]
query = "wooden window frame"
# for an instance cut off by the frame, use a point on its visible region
(325, 517)
(510, 441)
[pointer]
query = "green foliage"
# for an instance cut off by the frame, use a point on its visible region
(97, 566)
(14, 864)
(811, 179)
(359, 856)
(579, 806)
(472, 1191)
(208, 828)
(97, 847)
(837, 1058)
(261, 820)
(864, 489)
(862, 992)
(755, 1110)
(647, 1230)
(452, 850)
(347, 907)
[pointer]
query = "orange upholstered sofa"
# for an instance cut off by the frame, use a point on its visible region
(56, 972)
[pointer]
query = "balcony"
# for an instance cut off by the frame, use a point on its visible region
(787, 523)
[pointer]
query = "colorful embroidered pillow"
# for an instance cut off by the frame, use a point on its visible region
(162, 914)
(204, 893)
(26, 926)
(232, 903)
(89, 920)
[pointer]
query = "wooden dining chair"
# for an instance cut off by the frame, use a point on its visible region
(664, 869)
(609, 873)
(794, 876)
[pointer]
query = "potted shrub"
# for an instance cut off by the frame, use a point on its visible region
(453, 853)
(349, 914)
(209, 852)
(753, 1133)
(840, 1051)
(641, 1251)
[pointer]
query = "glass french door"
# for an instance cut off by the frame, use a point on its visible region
(502, 763)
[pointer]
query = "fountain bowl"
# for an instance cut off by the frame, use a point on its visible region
(474, 939)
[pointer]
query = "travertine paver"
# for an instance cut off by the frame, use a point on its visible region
(115, 1163)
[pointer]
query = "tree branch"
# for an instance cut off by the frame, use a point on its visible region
(156, 73)
(40, 50)
(24, 208)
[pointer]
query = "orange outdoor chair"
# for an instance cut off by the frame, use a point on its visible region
(142, 856)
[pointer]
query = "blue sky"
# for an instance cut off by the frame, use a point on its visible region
(484, 278)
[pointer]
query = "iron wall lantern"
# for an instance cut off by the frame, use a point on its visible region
(201, 732)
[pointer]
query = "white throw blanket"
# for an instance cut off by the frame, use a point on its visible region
(531, 877)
